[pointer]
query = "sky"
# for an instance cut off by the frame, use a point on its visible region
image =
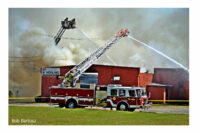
(31, 32)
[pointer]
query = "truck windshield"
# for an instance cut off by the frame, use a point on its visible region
(141, 92)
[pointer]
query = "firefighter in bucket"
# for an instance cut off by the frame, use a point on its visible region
(70, 79)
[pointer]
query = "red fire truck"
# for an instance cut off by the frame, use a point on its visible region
(122, 98)
(119, 97)
(126, 98)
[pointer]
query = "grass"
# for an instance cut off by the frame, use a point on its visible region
(62, 116)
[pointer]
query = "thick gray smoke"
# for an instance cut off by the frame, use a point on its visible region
(30, 49)
(164, 29)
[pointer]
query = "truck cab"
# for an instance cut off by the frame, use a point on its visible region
(126, 98)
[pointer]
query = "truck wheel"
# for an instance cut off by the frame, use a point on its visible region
(122, 107)
(71, 104)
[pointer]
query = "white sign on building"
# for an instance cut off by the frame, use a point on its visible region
(50, 71)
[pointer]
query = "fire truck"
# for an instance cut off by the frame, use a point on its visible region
(126, 98)
(71, 95)
(119, 97)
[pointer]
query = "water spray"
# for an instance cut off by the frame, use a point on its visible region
(160, 53)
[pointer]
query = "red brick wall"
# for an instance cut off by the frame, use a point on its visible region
(145, 78)
(128, 76)
(48, 81)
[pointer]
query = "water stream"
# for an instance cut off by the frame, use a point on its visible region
(160, 53)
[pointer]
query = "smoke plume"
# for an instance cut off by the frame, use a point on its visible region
(31, 49)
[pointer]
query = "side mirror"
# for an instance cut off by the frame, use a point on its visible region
(149, 95)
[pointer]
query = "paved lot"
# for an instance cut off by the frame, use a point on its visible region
(167, 110)
(153, 109)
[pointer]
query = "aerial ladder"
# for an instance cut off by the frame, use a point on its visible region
(72, 76)
(66, 24)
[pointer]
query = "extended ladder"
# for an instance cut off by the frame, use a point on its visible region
(86, 63)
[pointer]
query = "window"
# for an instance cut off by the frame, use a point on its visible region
(122, 92)
(131, 93)
(116, 78)
(113, 92)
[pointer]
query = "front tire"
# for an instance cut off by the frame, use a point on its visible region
(122, 107)
(71, 104)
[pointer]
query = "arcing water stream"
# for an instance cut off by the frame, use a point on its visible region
(162, 54)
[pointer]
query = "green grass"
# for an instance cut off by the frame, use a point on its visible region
(62, 116)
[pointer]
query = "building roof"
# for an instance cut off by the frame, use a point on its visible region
(171, 69)
(159, 85)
